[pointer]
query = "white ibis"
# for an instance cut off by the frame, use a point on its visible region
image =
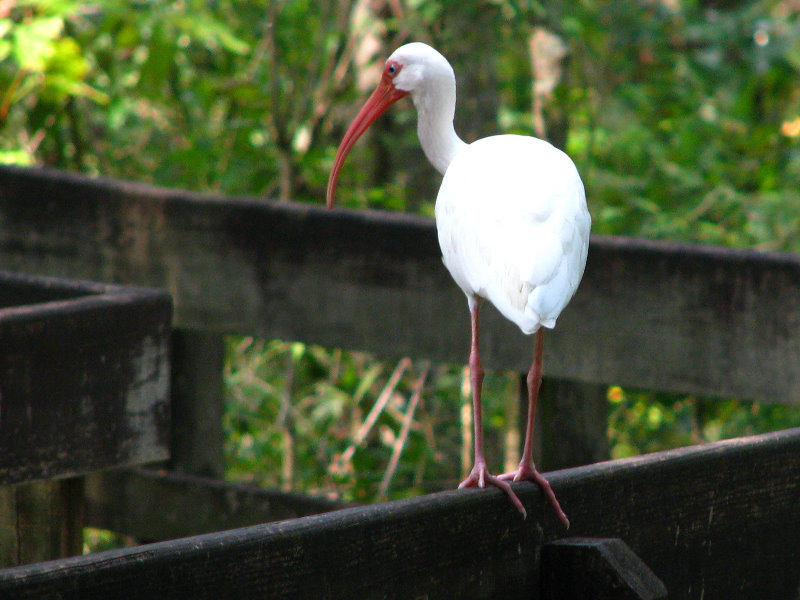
(512, 221)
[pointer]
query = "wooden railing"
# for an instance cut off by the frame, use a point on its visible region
(716, 321)
(651, 315)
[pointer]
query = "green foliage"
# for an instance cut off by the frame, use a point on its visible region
(328, 422)
(641, 422)
(98, 540)
(684, 120)
(688, 140)
(297, 417)
(207, 96)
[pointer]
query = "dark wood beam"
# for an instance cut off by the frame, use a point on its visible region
(718, 521)
(84, 377)
(651, 315)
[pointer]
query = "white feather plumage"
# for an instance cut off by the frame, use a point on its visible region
(511, 212)
(514, 227)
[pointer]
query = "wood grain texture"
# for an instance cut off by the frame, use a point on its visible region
(712, 522)
(40, 520)
(648, 314)
(84, 377)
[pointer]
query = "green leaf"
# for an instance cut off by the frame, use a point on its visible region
(34, 42)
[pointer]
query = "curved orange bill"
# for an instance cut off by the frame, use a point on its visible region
(382, 98)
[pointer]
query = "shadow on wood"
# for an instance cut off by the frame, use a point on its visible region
(121, 500)
(596, 568)
(41, 520)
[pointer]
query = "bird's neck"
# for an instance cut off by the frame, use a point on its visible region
(435, 129)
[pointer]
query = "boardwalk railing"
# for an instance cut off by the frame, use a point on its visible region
(648, 315)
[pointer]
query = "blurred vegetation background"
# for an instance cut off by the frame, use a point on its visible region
(682, 116)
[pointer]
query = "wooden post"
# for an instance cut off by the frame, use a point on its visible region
(84, 382)
(40, 520)
(117, 500)
(197, 359)
(571, 423)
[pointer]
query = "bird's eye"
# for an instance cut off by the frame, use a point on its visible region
(391, 69)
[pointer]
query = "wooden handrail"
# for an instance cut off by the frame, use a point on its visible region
(713, 521)
(648, 314)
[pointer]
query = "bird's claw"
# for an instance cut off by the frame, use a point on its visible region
(527, 472)
(480, 476)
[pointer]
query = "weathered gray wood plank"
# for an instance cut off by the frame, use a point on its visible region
(84, 377)
(651, 315)
(714, 522)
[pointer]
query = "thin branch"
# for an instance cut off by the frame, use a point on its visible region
(400, 442)
(282, 424)
(377, 409)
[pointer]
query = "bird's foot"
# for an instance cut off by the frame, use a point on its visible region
(480, 476)
(527, 472)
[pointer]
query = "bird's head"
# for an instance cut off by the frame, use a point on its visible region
(408, 71)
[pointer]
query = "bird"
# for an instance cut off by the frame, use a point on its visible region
(512, 222)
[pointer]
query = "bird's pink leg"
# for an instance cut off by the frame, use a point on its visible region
(527, 470)
(480, 475)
